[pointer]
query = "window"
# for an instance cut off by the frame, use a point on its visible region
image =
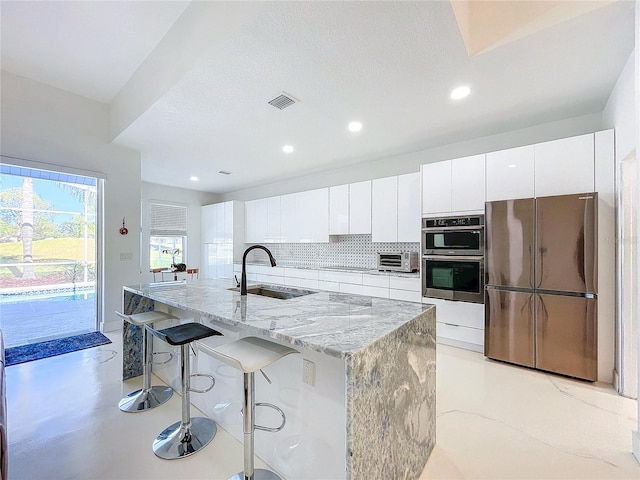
(168, 234)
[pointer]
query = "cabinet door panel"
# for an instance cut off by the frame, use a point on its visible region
(273, 220)
(250, 222)
(565, 166)
(317, 214)
(288, 218)
(436, 187)
(510, 174)
(384, 210)
(339, 210)
(409, 207)
(207, 223)
(360, 207)
(467, 183)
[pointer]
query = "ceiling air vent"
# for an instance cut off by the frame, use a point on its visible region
(283, 101)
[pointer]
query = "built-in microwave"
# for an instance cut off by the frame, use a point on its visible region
(453, 277)
(398, 261)
(453, 235)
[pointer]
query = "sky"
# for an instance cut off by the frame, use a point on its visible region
(48, 190)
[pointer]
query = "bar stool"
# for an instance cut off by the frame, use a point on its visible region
(147, 397)
(250, 354)
(189, 435)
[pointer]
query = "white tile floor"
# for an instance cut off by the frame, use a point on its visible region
(495, 421)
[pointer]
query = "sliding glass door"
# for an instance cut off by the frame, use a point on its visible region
(48, 256)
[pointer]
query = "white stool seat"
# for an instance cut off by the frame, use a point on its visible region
(250, 354)
(146, 318)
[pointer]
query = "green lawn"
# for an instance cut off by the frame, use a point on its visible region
(53, 250)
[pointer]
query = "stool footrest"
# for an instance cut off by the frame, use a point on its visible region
(271, 429)
(163, 353)
(204, 390)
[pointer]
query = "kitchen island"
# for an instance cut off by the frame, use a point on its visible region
(366, 408)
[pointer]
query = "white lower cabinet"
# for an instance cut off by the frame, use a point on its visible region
(460, 324)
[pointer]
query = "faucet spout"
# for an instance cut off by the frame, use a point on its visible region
(243, 279)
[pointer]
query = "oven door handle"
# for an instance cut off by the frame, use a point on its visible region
(471, 258)
(453, 229)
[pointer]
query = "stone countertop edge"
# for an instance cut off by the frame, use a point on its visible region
(320, 341)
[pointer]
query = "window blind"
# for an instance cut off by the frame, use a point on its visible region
(167, 220)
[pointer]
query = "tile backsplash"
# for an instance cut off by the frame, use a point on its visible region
(356, 251)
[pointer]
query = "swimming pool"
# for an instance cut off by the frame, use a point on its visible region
(53, 294)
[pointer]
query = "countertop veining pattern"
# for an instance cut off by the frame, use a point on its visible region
(333, 323)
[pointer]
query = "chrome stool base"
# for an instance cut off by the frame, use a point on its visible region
(179, 440)
(258, 474)
(142, 400)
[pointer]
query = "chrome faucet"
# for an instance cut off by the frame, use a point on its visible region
(243, 279)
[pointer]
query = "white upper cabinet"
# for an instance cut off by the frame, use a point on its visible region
(289, 231)
(304, 216)
(565, 166)
(360, 207)
(467, 183)
(272, 235)
(313, 216)
(510, 174)
(395, 208)
(208, 223)
(339, 210)
(436, 187)
(409, 207)
(384, 209)
(250, 222)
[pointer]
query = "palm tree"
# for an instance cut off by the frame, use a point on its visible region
(27, 227)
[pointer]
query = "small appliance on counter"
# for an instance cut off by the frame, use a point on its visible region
(398, 261)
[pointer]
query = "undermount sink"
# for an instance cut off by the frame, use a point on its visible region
(283, 293)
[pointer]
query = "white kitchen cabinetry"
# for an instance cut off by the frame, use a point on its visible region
(460, 324)
(223, 237)
(409, 207)
(273, 220)
(263, 220)
(339, 210)
(395, 209)
(467, 183)
(304, 216)
(384, 209)
(565, 166)
(436, 187)
(510, 174)
(360, 207)
(289, 230)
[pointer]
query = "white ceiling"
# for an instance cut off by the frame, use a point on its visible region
(190, 92)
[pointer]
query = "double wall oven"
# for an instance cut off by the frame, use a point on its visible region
(453, 258)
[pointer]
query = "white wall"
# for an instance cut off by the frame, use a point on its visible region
(180, 196)
(620, 114)
(411, 162)
(50, 126)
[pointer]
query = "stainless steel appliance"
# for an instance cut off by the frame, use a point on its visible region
(453, 235)
(453, 258)
(541, 288)
(453, 277)
(398, 261)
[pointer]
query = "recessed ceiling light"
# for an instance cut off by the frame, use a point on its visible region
(513, 165)
(194, 178)
(287, 149)
(460, 92)
(355, 126)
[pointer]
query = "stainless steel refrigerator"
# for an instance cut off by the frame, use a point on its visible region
(541, 283)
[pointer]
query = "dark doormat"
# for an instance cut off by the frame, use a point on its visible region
(51, 348)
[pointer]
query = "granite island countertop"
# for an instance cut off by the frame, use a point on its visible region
(332, 323)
